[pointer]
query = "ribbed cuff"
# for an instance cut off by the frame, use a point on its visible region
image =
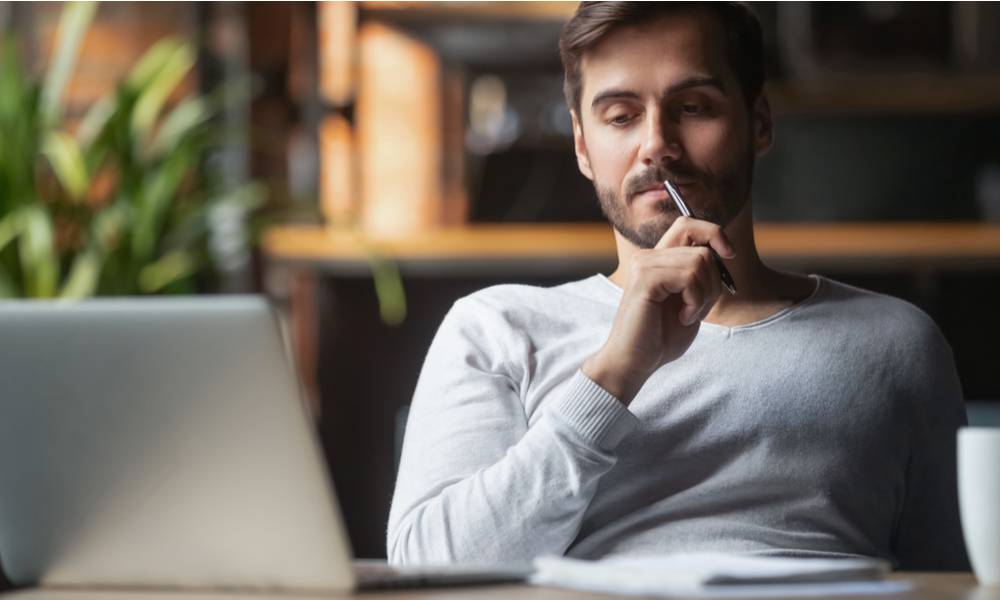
(593, 413)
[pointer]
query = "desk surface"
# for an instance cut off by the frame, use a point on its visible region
(927, 586)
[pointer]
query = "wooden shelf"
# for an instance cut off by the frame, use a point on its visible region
(887, 93)
(546, 10)
(549, 248)
(874, 241)
(473, 241)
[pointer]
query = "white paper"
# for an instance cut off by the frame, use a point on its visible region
(718, 575)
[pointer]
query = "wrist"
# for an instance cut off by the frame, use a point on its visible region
(617, 380)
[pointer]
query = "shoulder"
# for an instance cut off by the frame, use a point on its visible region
(517, 304)
(877, 314)
(497, 327)
(897, 339)
(874, 309)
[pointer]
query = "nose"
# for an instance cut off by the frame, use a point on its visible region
(660, 143)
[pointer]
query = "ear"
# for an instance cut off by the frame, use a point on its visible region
(580, 146)
(763, 125)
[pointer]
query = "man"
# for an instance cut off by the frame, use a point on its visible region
(648, 411)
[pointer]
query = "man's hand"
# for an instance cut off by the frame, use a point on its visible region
(670, 289)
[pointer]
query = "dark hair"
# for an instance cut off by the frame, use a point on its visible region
(594, 20)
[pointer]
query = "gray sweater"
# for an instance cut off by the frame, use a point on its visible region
(826, 429)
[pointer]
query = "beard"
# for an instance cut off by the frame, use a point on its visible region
(726, 193)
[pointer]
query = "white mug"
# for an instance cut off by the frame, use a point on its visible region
(979, 499)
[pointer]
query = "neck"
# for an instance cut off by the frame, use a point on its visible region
(760, 288)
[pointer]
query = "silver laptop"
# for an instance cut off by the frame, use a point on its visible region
(163, 442)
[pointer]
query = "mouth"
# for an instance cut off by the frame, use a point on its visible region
(680, 184)
(652, 194)
(657, 193)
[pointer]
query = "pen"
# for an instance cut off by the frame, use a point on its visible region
(727, 278)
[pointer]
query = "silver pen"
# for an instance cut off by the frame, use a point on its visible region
(727, 278)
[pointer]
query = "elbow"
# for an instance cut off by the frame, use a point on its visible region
(408, 544)
(396, 546)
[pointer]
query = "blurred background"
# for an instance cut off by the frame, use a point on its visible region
(365, 164)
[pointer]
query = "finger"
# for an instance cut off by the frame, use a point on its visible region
(686, 231)
(709, 288)
(693, 296)
(688, 272)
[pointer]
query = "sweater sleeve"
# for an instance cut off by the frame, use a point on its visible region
(477, 483)
(928, 535)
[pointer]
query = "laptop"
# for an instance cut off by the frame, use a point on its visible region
(163, 442)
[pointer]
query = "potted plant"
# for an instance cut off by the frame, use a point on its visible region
(122, 204)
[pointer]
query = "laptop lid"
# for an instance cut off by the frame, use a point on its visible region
(160, 442)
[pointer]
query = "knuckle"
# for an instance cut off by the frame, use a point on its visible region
(700, 285)
(704, 255)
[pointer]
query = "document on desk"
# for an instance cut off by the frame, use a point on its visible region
(716, 575)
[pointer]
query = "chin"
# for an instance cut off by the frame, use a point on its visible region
(649, 232)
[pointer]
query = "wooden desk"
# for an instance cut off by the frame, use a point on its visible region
(928, 586)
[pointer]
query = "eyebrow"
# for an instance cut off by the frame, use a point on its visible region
(680, 86)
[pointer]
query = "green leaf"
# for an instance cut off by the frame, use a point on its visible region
(154, 203)
(67, 162)
(158, 88)
(170, 268)
(388, 290)
(108, 227)
(189, 114)
(83, 276)
(38, 257)
(12, 81)
(7, 287)
(73, 24)
(95, 120)
(11, 225)
(19, 127)
(150, 63)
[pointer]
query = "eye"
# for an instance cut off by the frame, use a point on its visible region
(690, 108)
(621, 120)
(694, 106)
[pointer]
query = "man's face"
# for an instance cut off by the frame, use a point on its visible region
(659, 101)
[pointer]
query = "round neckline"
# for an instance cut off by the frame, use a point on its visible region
(820, 284)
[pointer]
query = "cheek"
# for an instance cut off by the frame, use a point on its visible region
(718, 145)
(705, 140)
(611, 157)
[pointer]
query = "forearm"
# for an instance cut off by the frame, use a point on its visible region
(620, 381)
(528, 503)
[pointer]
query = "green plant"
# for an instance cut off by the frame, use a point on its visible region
(121, 205)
